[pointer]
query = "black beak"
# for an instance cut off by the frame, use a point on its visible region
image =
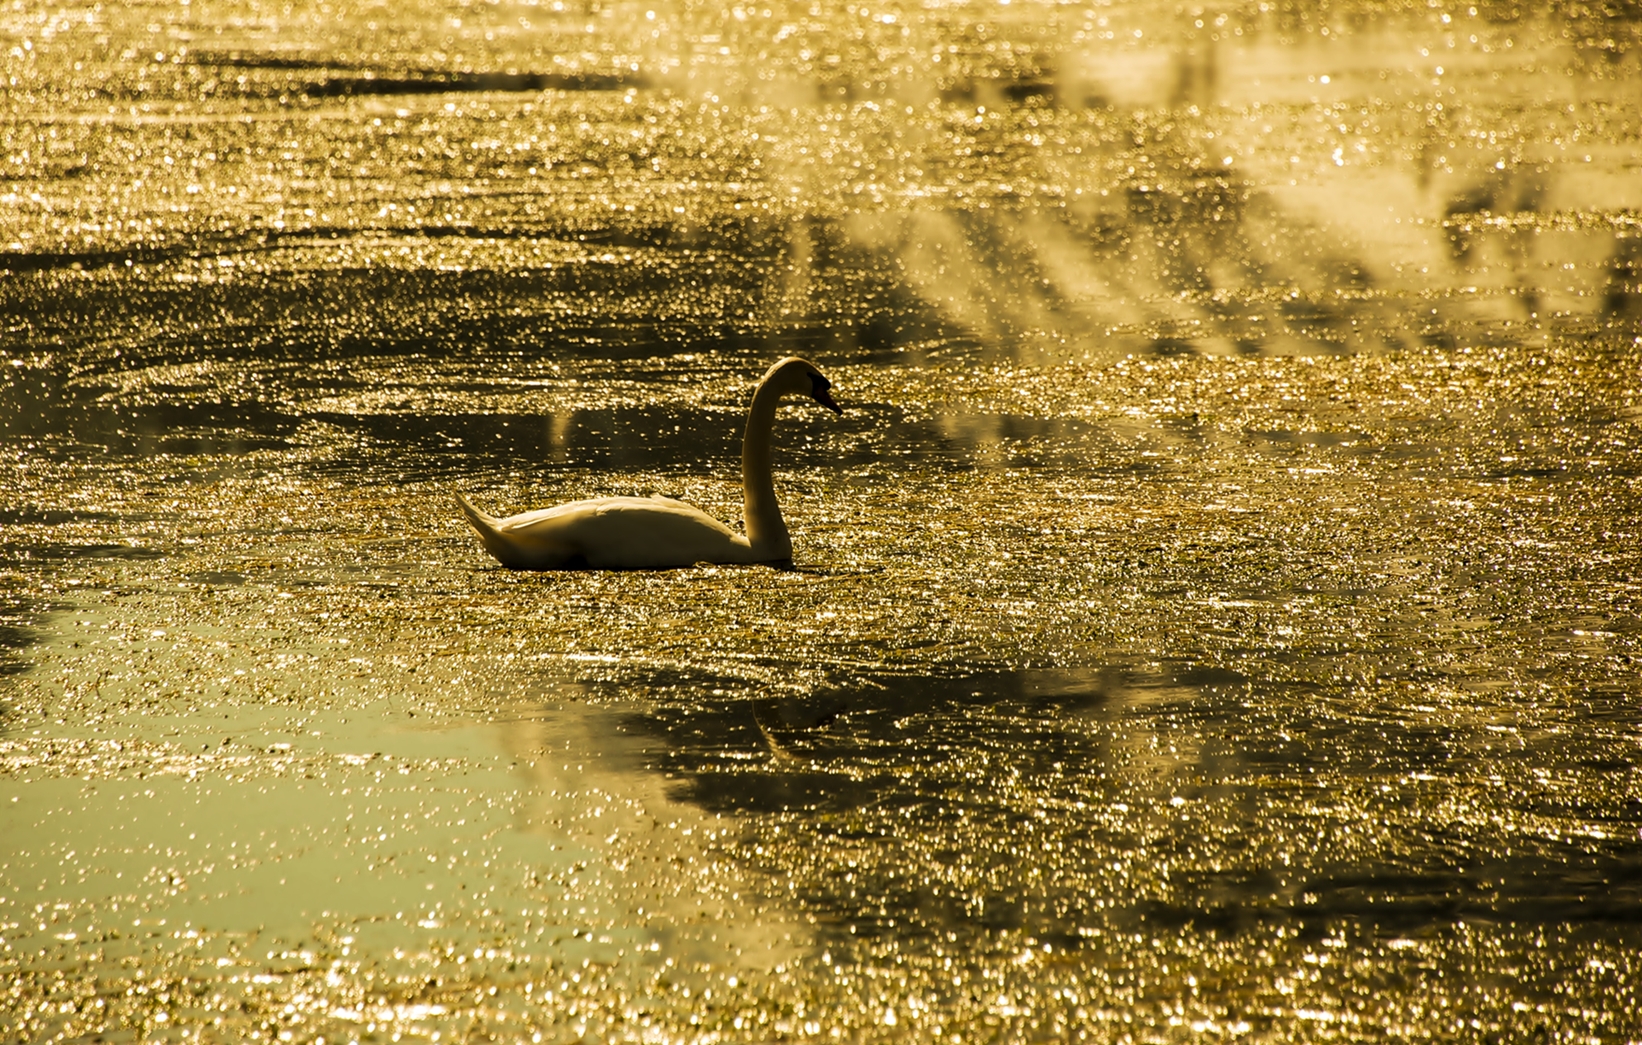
(820, 391)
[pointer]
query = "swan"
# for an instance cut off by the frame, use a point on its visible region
(639, 533)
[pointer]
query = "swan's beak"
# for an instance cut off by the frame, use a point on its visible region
(820, 391)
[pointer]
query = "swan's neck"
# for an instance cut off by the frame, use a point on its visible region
(766, 530)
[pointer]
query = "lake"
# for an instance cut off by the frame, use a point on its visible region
(1216, 614)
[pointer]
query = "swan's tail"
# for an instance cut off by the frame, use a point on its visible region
(490, 533)
(520, 548)
(485, 524)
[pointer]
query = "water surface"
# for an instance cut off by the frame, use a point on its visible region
(1215, 615)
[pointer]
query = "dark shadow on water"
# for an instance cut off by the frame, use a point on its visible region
(1011, 281)
(888, 780)
(27, 515)
(330, 79)
(698, 443)
(60, 552)
(18, 614)
(1623, 296)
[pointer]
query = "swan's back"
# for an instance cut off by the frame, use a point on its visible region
(611, 533)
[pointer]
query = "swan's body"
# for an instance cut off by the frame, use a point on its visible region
(637, 533)
(610, 533)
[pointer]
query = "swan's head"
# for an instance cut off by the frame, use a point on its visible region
(820, 391)
(800, 377)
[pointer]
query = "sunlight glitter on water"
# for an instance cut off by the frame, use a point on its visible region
(1216, 609)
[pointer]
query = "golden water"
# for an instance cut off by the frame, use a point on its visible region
(1216, 613)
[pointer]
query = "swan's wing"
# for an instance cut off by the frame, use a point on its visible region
(547, 520)
(529, 541)
(657, 521)
(656, 531)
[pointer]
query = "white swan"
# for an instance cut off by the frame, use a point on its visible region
(637, 533)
